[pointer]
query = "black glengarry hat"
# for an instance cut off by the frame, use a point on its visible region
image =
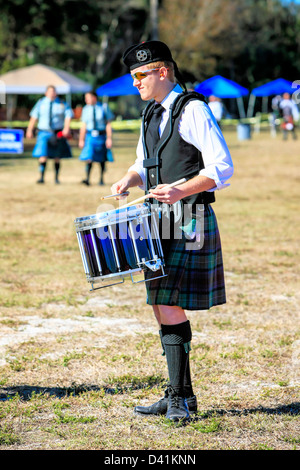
(148, 52)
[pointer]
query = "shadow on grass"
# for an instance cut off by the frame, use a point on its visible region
(291, 409)
(26, 392)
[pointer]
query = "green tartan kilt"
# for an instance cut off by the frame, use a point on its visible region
(195, 277)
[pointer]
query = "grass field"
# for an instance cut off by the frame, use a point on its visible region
(74, 363)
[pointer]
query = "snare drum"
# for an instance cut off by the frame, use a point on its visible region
(118, 244)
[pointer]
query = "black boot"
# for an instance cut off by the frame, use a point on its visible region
(161, 406)
(177, 408)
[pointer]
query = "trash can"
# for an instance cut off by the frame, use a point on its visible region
(244, 131)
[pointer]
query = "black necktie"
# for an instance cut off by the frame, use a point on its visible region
(94, 117)
(50, 114)
(154, 123)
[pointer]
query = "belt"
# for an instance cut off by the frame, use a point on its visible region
(50, 130)
(99, 132)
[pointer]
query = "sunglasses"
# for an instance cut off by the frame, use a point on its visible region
(140, 75)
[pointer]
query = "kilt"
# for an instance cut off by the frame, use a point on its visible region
(195, 277)
(94, 149)
(43, 147)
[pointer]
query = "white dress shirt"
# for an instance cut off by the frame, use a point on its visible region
(198, 127)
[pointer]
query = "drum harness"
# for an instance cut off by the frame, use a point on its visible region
(155, 162)
(174, 110)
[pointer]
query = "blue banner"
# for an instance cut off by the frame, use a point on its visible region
(11, 141)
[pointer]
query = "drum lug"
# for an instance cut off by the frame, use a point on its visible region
(153, 265)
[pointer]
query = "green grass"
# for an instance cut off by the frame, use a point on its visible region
(74, 364)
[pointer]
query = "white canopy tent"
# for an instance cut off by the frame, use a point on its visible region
(34, 79)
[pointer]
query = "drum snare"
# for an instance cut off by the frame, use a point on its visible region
(119, 244)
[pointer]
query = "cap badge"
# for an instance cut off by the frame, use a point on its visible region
(142, 55)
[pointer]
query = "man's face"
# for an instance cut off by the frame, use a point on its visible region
(51, 93)
(148, 86)
(90, 99)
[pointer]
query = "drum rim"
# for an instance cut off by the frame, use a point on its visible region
(102, 219)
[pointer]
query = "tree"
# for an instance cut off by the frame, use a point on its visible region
(245, 40)
(82, 37)
(249, 41)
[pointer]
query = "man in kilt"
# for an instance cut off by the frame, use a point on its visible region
(179, 139)
(53, 117)
(95, 136)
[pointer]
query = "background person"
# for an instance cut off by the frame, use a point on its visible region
(195, 149)
(95, 136)
(53, 117)
(216, 107)
(290, 114)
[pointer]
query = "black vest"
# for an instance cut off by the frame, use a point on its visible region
(172, 158)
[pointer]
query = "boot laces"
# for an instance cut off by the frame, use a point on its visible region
(175, 398)
(175, 401)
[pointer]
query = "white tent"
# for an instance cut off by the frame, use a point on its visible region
(34, 79)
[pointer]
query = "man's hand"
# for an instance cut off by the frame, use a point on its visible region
(81, 143)
(66, 132)
(108, 142)
(163, 193)
(130, 180)
(119, 188)
(29, 134)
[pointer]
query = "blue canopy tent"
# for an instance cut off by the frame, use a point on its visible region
(274, 87)
(118, 87)
(223, 88)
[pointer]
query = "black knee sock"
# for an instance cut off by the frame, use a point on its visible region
(57, 167)
(42, 169)
(102, 166)
(88, 168)
(176, 340)
(162, 344)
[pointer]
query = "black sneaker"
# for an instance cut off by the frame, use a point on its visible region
(86, 182)
(40, 181)
(161, 406)
(177, 409)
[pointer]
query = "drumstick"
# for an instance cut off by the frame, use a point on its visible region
(116, 195)
(146, 196)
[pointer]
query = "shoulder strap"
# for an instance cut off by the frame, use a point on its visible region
(174, 111)
(147, 110)
(182, 99)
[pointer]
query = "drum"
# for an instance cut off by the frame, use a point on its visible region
(118, 244)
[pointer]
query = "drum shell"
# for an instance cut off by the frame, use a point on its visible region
(118, 243)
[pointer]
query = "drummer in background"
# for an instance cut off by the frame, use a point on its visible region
(216, 107)
(53, 117)
(95, 136)
(290, 113)
(195, 149)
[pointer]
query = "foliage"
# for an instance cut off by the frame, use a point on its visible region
(245, 40)
(249, 41)
(82, 37)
